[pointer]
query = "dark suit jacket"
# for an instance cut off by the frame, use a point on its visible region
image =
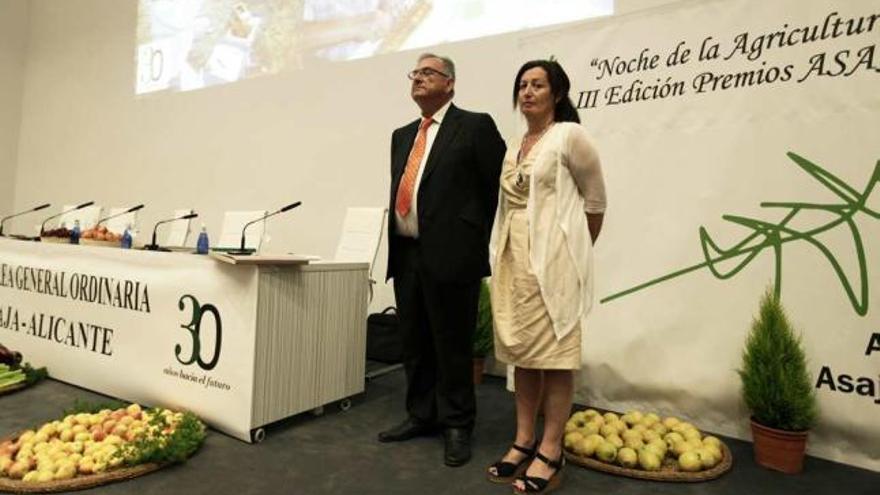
(457, 196)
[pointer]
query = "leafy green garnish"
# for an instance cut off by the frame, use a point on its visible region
(34, 375)
(164, 448)
(88, 407)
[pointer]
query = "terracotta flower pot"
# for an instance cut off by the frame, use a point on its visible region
(479, 366)
(779, 449)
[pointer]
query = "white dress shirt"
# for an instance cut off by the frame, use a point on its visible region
(408, 226)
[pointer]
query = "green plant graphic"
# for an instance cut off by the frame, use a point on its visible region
(768, 235)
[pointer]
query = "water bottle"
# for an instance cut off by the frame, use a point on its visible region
(202, 243)
(75, 233)
(126, 237)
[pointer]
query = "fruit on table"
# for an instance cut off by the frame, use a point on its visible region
(101, 233)
(59, 232)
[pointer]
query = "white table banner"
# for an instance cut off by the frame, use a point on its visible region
(158, 328)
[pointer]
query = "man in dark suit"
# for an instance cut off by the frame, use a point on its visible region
(444, 189)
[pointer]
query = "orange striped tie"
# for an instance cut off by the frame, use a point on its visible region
(408, 181)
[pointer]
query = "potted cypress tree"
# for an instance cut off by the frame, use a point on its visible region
(484, 338)
(777, 389)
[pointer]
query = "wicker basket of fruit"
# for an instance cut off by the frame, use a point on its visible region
(644, 446)
(85, 449)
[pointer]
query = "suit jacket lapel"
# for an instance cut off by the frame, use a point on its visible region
(448, 129)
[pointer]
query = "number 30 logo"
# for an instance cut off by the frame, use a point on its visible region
(195, 329)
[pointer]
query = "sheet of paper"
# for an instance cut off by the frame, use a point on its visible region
(87, 217)
(233, 222)
(361, 233)
(120, 223)
(179, 230)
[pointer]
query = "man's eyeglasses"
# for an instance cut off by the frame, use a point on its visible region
(425, 73)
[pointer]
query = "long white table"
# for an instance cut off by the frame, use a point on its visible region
(240, 345)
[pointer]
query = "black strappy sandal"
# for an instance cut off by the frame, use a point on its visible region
(540, 485)
(508, 471)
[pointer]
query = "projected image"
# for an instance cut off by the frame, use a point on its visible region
(191, 44)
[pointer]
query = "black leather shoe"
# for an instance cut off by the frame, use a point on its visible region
(410, 428)
(458, 446)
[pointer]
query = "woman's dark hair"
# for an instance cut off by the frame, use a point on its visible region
(564, 110)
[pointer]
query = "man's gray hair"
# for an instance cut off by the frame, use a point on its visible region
(448, 64)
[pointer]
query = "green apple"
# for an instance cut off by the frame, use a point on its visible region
(659, 428)
(633, 443)
(650, 435)
(707, 458)
(65, 472)
(635, 417)
(586, 446)
(648, 421)
(670, 422)
(589, 429)
(606, 451)
(627, 458)
(571, 438)
(615, 440)
(690, 461)
(607, 430)
(649, 460)
(710, 440)
(610, 416)
(679, 448)
(715, 451)
(673, 438)
(692, 434)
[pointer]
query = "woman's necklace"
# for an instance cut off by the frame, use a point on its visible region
(531, 141)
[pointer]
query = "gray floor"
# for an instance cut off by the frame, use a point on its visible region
(338, 453)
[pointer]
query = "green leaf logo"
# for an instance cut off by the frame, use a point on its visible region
(773, 236)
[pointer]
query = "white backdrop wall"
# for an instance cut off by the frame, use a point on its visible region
(320, 135)
(13, 39)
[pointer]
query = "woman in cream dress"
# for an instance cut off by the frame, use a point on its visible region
(549, 215)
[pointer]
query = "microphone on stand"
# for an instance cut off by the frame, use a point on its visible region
(153, 246)
(243, 251)
(75, 208)
(38, 208)
(130, 210)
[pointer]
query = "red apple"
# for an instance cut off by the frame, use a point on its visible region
(98, 434)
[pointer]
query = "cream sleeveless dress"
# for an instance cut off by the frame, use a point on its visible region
(524, 335)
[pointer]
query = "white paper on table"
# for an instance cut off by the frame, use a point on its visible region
(361, 233)
(178, 231)
(234, 221)
(119, 224)
(310, 257)
(87, 217)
